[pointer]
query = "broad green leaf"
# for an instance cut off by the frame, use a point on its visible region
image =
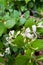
(37, 44)
(10, 23)
(16, 14)
(27, 1)
(2, 28)
(27, 14)
(29, 22)
(19, 41)
(22, 21)
(21, 60)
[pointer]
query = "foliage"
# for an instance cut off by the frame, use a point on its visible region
(21, 32)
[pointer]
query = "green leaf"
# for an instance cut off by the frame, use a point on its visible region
(1, 60)
(37, 44)
(40, 30)
(22, 21)
(31, 4)
(1, 45)
(30, 22)
(16, 14)
(13, 48)
(2, 28)
(3, 3)
(6, 16)
(29, 53)
(34, 0)
(23, 8)
(39, 58)
(27, 14)
(30, 63)
(21, 60)
(27, 1)
(19, 41)
(10, 23)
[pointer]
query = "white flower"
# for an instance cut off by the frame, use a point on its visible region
(7, 38)
(34, 28)
(28, 30)
(7, 50)
(40, 25)
(11, 33)
(29, 35)
(1, 54)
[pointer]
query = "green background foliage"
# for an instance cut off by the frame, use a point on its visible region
(14, 15)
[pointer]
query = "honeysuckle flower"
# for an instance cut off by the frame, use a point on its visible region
(34, 28)
(28, 34)
(28, 30)
(7, 50)
(7, 38)
(11, 33)
(40, 25)
(1, 54)
(8, 41)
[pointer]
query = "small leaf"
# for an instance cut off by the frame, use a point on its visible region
(27, 1)
(2, 28)
(31, 4)
(27, 14)
(22, 21)
(1, 45)
(29, 22)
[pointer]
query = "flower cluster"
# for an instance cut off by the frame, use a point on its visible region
(30, 34)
